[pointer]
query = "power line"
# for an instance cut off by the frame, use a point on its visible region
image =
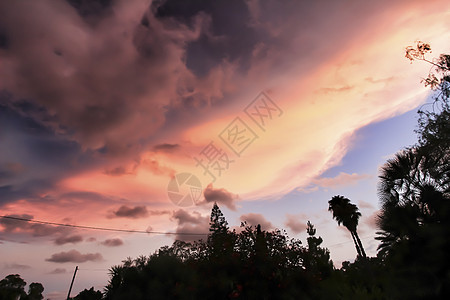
(99, 228)
(131, 230)
(346, 242)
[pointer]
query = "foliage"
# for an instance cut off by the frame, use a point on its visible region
(414, 191)
(12, 287)
(252, 264)
(35, 291)
(434, 123)
(90, 294)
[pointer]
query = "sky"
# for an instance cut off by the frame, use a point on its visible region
(139, 115)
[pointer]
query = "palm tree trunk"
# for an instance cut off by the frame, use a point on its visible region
(356, 243)
(360, 245)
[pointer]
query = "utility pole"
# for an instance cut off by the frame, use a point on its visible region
(71, 284)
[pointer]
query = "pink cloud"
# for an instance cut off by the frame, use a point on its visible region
(254, 219)
(364, 204)
(371, 220)
(35, 229)
(191, 226)
(296, 223)
(221, 196)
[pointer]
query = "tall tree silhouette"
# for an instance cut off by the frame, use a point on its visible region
(220, 240)
(347, 214)
(218, 223)
(414, 191)
(415, 185)
(316, 259)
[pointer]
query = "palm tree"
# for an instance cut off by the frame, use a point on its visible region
(347, 214)
(413, 189)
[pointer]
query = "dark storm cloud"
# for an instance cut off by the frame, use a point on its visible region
(32, 155)
(4, 40)
(130, 212)
(221, 196)
(94, 80)
(107, 79)
(92, 11)
(74, 256)
(10, 170)
(102, 82)
(227, 33)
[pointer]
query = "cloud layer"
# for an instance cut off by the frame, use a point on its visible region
(114, 99)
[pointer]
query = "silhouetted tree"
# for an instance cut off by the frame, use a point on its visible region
(347, 214)
(220, 240)
(316, 260)
(12, 287)
(415, 185)
(218, 223)
(414, 191)
(90, 294)
(35, 291)
(252, 264)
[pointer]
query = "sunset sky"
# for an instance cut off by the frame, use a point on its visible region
(102, 103)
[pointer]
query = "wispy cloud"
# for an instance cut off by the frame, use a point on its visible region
(16, 266)
(58, 271)
(343, 179)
